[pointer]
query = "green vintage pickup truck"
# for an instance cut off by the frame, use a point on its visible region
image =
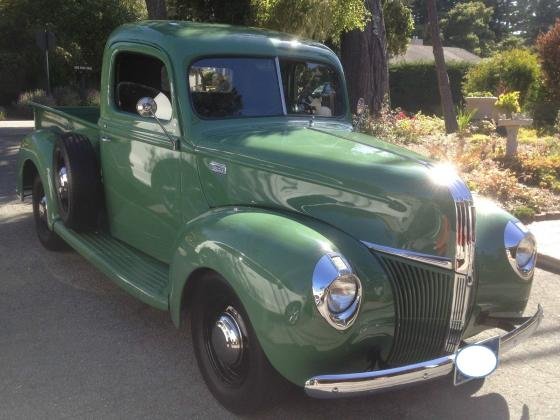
(221, 177)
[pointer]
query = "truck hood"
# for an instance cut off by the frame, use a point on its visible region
(376, 192)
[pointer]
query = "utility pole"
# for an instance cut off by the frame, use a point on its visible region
(46, 41)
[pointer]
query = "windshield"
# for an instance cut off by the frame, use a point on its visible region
(249, 87)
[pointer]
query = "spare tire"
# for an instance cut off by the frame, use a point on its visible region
(77, 182)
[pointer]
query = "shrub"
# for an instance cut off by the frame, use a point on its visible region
(548, 47)
(508, 103)
(557, 123)
(524, 213)
(66, 96)
(91, 98)
(414, 86)
(38, 95)
(2, 114)
(398, 127)
(483, 94)
(513, 70)
(484, 127)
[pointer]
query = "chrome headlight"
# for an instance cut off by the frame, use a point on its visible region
(521, 248)
(337, 291)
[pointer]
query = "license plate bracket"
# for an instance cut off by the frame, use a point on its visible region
(492, 344)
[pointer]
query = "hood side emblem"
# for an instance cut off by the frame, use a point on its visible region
(218, 168)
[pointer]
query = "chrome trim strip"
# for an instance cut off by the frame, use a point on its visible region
(465, 225)
(343, 385)
(436, 260)
(280, 85)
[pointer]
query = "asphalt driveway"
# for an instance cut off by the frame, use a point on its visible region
(73, 345)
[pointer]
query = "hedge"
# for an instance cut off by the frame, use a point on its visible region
(414, 86)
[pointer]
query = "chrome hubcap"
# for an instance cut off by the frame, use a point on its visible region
(43, 208)
(227, 339)
(63, 182)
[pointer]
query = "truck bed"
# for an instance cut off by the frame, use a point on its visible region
(67, 118)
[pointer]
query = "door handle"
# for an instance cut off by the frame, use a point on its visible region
(105, 139)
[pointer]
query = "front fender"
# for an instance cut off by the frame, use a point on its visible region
(500, 291)
(268, 259)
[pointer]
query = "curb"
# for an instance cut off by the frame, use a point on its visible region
(548, 263)
(554, 215)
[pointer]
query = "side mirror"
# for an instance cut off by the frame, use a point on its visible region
(360, 106)
(146, 107)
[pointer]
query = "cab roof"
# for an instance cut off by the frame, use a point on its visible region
(192, 39)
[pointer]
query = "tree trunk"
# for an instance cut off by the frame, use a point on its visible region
(156, 9)
(443, 79)
(364, 58)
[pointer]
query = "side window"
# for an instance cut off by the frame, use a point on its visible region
(139, 75)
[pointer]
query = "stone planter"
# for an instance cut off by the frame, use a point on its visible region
(484, 106)
(512, 128)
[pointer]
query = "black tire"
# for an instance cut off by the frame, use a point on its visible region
(252, 382)
(77, 181)
(47, 237)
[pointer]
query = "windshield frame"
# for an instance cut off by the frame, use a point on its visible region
(276, 58)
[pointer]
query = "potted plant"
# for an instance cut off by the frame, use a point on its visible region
(508, 103)
(482, 104)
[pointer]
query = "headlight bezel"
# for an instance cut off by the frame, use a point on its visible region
(330, 268)
(515, 233)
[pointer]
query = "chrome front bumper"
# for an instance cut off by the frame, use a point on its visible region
(350, 384)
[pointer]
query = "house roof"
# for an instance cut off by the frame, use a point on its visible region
(415, 53)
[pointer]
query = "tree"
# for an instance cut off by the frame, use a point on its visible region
(535, 17)
(364, 57)
(449, 115)
(316, 19)
(420, 14)
(467, 25)
(157, 9)
(81, 30)
(237, 12)
(399, 25)
(548, 47)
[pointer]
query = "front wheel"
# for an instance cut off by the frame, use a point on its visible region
(228, 353)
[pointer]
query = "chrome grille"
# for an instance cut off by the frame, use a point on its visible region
(423, 302)
(432, 299)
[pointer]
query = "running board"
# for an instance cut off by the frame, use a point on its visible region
(139, 274)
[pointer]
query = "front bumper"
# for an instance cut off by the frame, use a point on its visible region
(351, 384)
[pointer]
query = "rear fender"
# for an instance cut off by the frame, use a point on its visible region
(37, 149)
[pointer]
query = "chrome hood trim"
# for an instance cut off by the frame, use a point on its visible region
(435, 260)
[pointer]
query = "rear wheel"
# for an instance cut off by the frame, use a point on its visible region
(47, 237)
(228, 353)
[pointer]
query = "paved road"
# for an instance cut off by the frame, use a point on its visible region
(73, 345)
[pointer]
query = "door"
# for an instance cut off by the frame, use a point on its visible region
(139, 166)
